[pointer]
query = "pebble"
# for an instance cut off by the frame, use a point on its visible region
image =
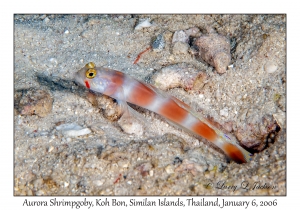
(253, 135)
(280, 118)
(99, 182)
(159, 43)
(29, 192)
(75, 133)
(179, 75)
(270, 67)
(131, 125)
(170, 169)
(224, 112)
(111, 110)
(180, 48)
(50, 149)
(184, 35)
(180, 36)
(123, 163)
(34, 102)
(72, 130)
(46, 20)
(215, 50)
(143, 24)
(40, 192)
(51, 63)
(192, 166)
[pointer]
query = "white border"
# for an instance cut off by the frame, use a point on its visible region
(8, 201)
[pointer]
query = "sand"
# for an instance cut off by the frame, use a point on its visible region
(164, 160)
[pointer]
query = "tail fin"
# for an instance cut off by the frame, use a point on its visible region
(236, 153)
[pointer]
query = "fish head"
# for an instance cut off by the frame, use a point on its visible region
(93, 78)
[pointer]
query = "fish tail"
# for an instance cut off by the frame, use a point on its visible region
(233, 151)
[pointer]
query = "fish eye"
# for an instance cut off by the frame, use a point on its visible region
(90, 73)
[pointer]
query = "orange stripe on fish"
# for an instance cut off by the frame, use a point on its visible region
(234, 153)
(172, 111)
(126, 89)
(205, 131)
(141, 95)
(118, 78)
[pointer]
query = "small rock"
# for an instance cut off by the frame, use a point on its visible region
(40, 192)
(179, 75)
(144, 168)
(51, 63)
(192, 166)
(255, 135)
(50, 149)
(75, 133)
(224, 112)
(99, 182)
(131, 125)
(184, 35)
(180, 48)
(33, 102)
(67, 126)
(170, 169)
(123, 163)
(143, 24)
(180, 36)
(280, 119)
(270, 67)
(159, 43)
(46, 20)
(29, 192)
(72, 130)
(201, 168)
(215, 50)
(111, 110)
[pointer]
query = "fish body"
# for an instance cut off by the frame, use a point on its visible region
(124, 89)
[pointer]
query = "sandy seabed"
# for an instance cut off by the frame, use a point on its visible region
(164, 160)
